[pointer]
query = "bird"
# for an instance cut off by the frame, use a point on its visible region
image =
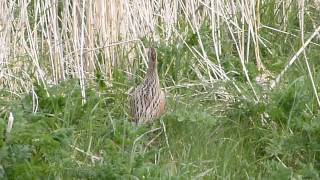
(148, 99)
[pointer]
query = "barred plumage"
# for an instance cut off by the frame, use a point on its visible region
(148, 100)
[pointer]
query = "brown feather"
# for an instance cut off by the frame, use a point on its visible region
(148, 100)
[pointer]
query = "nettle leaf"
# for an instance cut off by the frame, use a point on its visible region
(279, 171)
(63, 135)
(20, 153)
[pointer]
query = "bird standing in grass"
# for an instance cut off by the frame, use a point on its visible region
(148, 100)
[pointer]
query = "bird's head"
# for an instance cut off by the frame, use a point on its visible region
(152, 55)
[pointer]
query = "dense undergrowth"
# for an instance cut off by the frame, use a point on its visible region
(210, 130)
(200, 136)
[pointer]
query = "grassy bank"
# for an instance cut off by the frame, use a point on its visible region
(69, 101)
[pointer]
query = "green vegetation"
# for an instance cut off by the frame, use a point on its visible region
(204, 136)
(211, 129)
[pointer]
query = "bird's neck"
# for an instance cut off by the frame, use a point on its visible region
(152, 73)
(152, 68)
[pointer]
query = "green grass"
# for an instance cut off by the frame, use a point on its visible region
(202, 135)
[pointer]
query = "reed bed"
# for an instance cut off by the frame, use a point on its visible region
(46, 42)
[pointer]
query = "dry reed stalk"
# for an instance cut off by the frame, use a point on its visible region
(294, 58)
(4, 41)
(301, 20)
(57, 40)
